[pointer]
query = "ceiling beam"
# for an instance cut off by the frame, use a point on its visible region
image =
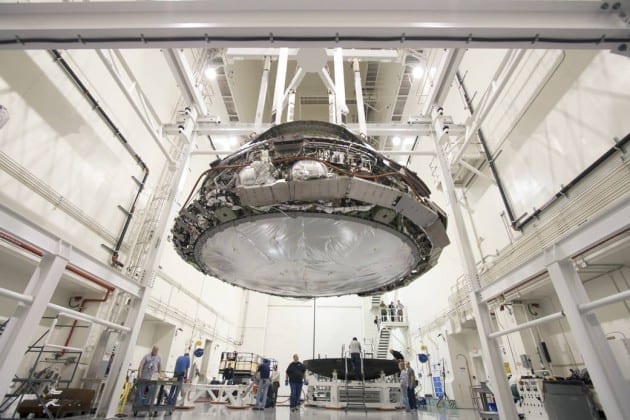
(325, 23)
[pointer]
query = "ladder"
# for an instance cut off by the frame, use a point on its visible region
(354, 394)
(383, 343)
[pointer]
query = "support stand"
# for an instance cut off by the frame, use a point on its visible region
(444, 397)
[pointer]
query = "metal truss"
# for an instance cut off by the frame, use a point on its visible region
(351, 23)
(26, 231)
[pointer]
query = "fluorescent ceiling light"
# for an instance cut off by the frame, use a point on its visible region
(417, 72)
(210, 73)
(307, 209)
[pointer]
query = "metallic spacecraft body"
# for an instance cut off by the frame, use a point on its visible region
(308, 209)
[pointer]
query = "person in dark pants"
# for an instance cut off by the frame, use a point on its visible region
(275, 384)
(181, 370)
(411, 387)
(355, 357)
(228, 375)
(263, 385)
(295, 378)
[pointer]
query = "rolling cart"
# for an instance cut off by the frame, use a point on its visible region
(152, 397)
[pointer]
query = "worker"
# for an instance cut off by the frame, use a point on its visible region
(228, 375)
(411, 387)
(399, 310)
(262, 374)
(392, 312)
(397, 355)
(383, 309)
(149, 369)
(181, 371)
(355, 358)
(295, 378)
(404, 384)
(275, 384)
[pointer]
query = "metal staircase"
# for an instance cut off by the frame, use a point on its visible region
(383, 343)
(353, 394)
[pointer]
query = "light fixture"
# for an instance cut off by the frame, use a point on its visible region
(396, 141)
(417, 72)
(307, 209)
(210, 73)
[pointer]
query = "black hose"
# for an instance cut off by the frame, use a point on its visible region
(487, 154)
(108, 121)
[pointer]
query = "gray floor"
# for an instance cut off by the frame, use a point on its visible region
(205, 410)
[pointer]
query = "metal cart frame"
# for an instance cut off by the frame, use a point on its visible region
(152, 396)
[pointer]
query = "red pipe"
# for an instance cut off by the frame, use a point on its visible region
(109, 289)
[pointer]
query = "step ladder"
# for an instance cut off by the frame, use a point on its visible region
(354, 392)
(383, 343)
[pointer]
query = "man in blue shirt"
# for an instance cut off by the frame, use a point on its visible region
(181, 369)
(263, 384)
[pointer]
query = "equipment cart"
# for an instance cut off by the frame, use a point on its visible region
(152, 396)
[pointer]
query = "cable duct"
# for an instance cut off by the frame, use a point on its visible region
(45, 191)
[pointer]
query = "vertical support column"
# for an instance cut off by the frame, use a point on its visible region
(17, 336)
(340, 87)
(278, 97)
(291, 106)
(332, 113)
(332, 103)
(262, 94)
(109, 400)
(490, 350)
(612, 389)
(359, 93)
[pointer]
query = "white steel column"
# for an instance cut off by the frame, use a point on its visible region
(16, 337)
(281, 75)
(262, 94)
(109, 400)
(612, 389)
(291, 106)
(340, 87)
(492, 356)
(140, 103)
(359, 94)
(293, 85)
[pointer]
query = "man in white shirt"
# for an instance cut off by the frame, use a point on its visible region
(355, 357)
(149, 369)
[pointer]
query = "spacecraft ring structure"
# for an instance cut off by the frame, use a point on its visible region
(307, 209)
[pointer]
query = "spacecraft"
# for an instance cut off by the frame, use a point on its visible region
(308, 209)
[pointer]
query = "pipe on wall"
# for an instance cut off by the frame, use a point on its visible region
(87, 276)
(108, 121)
(486, 152)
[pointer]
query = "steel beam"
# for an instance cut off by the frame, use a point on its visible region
(278, 96)
(340, 87)
(26, 231)
(109, 401)
(262, 94)
(280, 23)
(184, 76)
(489, 347)
(293, 85)
(612, 389)
(446, 70)
(359, 95)
(140, 104)
(548, 318)
(493, 91)
(604, 226)
(383, 55)
(25, 320)
(423, 128)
